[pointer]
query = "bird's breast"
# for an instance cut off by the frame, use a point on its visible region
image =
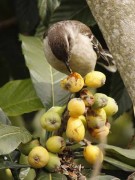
(82, 56)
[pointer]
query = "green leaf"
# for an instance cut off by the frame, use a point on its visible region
(106, 177)
(3, 118)
(18, 97)
(45, 79)
(46, 9)
(73, 10)
(51, 176)
(27, 174)
(51, 6)
(11, 137)
(124, 155)
(13, 165)
(119, 164)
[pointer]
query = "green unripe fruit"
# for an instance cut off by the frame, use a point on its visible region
(38, 157)
(50, 121)
(92, 154)
(26, 148)
(55, 144)
(76, 107)
(53, 163)
(111, 108)
(75, 129)
(100, 100)
(96, 118)
(58, 109)
(95, 79)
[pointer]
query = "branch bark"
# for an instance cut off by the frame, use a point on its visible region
(116, 19)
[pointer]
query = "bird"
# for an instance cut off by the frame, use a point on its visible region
(70, 46)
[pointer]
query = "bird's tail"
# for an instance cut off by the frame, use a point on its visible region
(106, 60)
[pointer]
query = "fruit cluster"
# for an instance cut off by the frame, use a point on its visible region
(89, 111)
(47, 156)
(85, 112)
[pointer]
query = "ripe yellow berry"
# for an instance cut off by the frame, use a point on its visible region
(111, 108)
(38, 157)
(92, 154)
(95, 79)
(76, 107)
(96, 118)
(73, 83)
(75, 129)
(55, 144)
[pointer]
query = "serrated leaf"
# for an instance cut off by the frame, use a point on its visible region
(45, 79)
(73, 10)
(11, 137)
(19, 97)
(3, 118)
(119, 164)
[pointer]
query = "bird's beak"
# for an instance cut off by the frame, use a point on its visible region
(68, 67)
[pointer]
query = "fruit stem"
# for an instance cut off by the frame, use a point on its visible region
(86, 142)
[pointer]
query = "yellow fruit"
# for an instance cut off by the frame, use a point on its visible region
(26, 148)
(55, 144)
(101, 132)
(53, 163)
(92, 154)
(75, 129)
(95, 79)
(87, 97)
(50, 121)
(100, 100)
(76, 107)
(111, 108)
(73, 83)
(38, 157)
(96, 118)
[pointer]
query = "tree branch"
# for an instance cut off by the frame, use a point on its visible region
(116, 19)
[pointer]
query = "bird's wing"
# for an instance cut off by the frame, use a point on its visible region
(105, 59)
